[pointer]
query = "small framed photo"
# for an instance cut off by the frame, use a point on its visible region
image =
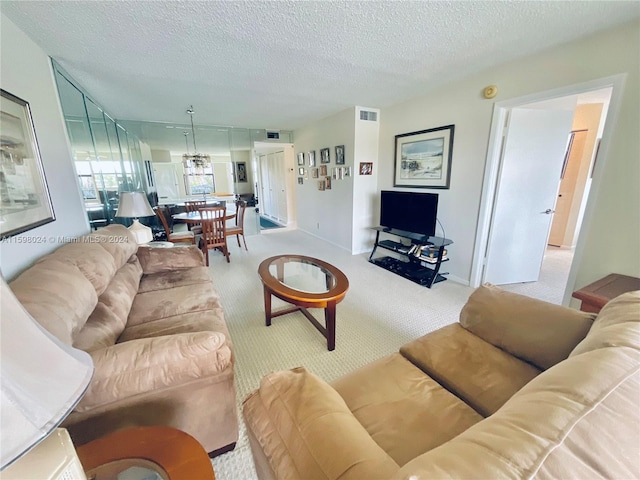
(321, 185)
(312, 158)
(341, 173)
(366, 168)
(301, 170)
(300, 180)
(324, 156)
(301, 158)
(314, 172)
(340, 155)
(347, 171)
(323, 170)
(334, 173)
(328, 183)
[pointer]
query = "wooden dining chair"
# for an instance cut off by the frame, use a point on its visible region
(173, 237)
(238, 228)
(214, 231)
(194, 206)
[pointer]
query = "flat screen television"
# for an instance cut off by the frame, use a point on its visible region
(408, 211)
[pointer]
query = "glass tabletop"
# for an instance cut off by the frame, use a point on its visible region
(302, 275)
(130, 469)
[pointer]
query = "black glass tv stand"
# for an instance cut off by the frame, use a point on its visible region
(418, 260)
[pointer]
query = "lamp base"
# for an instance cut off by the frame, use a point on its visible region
(142, 233)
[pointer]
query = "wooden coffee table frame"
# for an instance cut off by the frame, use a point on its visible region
(303, 300)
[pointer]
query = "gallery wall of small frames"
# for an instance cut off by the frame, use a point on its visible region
(322, 173)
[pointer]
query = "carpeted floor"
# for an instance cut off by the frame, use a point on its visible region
(380, 312)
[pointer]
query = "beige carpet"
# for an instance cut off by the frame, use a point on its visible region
(380, 312)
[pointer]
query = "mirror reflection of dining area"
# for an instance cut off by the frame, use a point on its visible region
(177, 167)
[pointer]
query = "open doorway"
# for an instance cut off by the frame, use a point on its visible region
(274, 174)
(566, 178)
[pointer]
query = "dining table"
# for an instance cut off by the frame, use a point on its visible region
(200, 216)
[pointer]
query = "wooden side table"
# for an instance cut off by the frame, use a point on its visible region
(597, 294)
(172, 453)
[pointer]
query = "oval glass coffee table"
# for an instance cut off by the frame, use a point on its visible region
(305, 282)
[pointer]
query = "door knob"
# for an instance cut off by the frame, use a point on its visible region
(548, 211)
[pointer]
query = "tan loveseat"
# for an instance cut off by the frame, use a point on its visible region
(154, 326)
(517, 389)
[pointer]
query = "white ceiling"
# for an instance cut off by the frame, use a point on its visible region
(283, 64)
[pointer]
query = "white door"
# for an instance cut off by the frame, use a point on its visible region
(533, 154)
(281, 187)
(265, 200)
(166, 181)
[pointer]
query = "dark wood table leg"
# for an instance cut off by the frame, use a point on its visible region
(267, 306)
(330, 322)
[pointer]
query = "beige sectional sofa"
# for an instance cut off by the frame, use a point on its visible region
(517, 389)
(154, 326)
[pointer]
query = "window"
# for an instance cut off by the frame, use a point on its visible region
(200, 183)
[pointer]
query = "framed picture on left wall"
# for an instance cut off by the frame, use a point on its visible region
(24, 196)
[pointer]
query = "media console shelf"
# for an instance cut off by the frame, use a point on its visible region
(415, 263)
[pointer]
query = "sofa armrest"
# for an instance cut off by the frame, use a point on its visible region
(147, 364)
(538, 332)
(155, 260)
(306, 430)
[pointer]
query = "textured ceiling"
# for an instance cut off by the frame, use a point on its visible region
(283, 64)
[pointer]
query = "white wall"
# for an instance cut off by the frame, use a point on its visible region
(614, 222)
(327, 214)
(26, 72)
(366, 199)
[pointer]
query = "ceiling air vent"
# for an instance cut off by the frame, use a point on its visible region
(366, 115)
(273, 134)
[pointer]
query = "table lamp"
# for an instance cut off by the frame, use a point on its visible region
(42, 381)
(134, 205)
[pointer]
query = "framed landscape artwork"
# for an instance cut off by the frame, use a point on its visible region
(24, 196)
(423, 159)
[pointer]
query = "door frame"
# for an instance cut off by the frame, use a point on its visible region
(494, 160)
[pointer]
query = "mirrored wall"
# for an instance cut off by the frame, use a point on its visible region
(232, 170)
(107, 158)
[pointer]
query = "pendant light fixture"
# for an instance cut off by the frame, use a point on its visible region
(195, 162)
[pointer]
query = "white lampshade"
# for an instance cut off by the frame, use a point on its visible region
(42, 379)
(134, 205)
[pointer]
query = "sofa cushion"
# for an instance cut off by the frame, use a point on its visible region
(139, 366)
(536, 331)
(97, 265)
(109, 318)
(517, 440)
(405, 411)
(154, 260)
(617, 324)
(480, 374)
(57, 295)
(115, 239)
(174, 278)
(201, 321)
(156, 304)
(305, 427)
